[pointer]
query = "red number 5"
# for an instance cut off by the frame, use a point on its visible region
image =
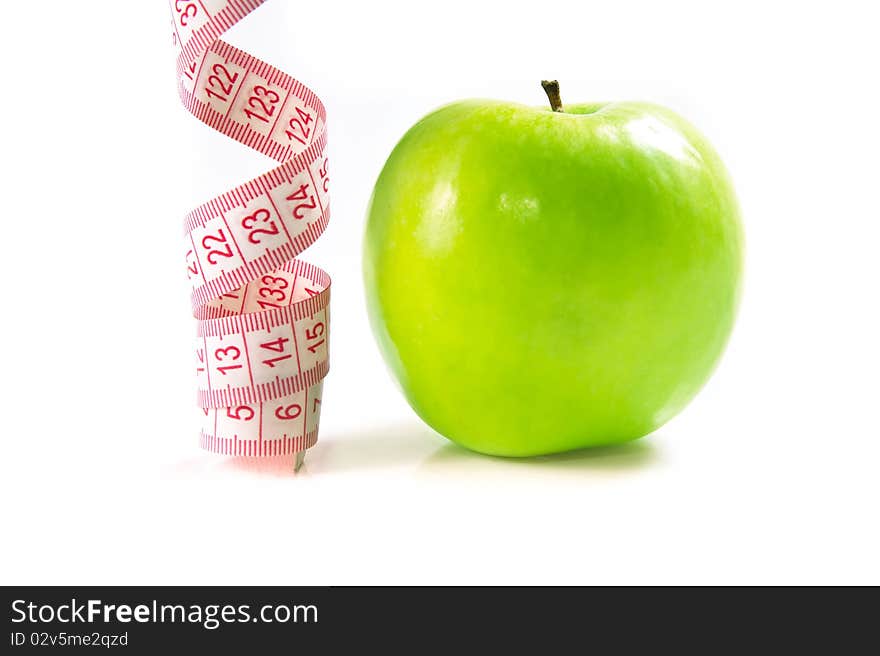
(237, 414)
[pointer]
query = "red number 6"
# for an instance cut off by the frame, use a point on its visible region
(291, 411)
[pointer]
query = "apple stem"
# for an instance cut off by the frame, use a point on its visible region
(551, 88)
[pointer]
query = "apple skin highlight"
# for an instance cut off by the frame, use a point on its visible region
(540, 281)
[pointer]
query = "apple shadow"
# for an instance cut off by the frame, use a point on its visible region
(606, 460)
(415, 444)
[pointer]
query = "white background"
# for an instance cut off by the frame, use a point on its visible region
(769, 476)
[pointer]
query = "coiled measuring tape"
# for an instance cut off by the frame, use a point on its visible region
(261, 350)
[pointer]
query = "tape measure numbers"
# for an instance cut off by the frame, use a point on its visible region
(261, 348)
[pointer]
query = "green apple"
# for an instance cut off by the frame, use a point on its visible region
(544, 279)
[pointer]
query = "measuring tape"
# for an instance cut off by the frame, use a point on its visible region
(263, 316)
